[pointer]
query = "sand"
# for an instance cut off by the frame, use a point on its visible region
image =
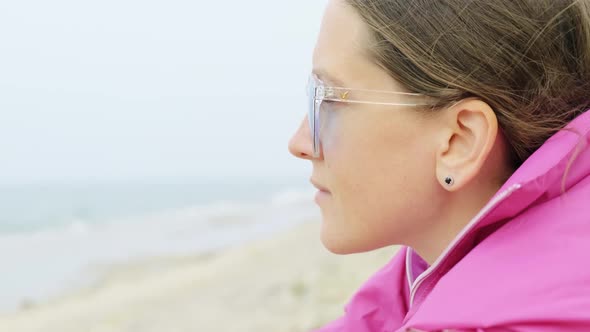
(289, 283)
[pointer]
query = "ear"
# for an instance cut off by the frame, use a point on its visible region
(469, 132)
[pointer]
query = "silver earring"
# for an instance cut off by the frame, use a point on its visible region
(449, 181)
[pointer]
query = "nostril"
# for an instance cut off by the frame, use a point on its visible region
(300, 145)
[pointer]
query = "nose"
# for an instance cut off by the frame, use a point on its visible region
(300, 144)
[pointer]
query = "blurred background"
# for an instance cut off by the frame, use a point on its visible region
(144, 168)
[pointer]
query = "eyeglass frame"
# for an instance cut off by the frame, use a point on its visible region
(318, 92)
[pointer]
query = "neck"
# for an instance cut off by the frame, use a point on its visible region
(461, 207)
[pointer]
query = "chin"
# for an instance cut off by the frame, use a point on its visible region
(338, 250)
(340, 245)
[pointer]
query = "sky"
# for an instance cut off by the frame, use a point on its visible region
(152, 89)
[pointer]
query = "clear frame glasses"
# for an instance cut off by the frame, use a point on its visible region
(318, 92)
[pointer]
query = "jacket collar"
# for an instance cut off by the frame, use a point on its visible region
(539, 179)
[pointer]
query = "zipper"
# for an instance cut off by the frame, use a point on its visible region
(489, 207)
(409, 274)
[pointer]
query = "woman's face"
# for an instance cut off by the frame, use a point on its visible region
(377, 163)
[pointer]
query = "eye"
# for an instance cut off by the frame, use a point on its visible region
(329, 105)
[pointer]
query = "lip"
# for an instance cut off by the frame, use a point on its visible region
(319, 186)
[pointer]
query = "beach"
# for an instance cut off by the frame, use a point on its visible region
(286, 281)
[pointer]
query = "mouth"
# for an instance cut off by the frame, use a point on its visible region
(319, 186)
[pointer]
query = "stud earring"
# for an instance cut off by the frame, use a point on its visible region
(449, 181)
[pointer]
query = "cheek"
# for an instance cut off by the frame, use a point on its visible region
(355, 140)
(379, 172)
(345, 132)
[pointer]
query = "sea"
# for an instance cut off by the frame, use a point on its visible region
(54, 235)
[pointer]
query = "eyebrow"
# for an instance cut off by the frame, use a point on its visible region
(324, 76)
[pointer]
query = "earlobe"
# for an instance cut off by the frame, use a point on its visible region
(469, 130)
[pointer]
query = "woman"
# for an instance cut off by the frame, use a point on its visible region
(461, 130)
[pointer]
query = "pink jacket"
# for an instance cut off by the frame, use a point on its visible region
(521, 264)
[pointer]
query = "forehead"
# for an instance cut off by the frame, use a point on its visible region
(340, 49)
(343, 51)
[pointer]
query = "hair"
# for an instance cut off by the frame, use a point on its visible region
(528, 59)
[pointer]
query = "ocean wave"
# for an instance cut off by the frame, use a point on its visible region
(43, 263)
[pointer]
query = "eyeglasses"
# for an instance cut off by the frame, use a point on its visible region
(318, 92)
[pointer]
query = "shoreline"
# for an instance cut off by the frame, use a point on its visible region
(286, 282)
